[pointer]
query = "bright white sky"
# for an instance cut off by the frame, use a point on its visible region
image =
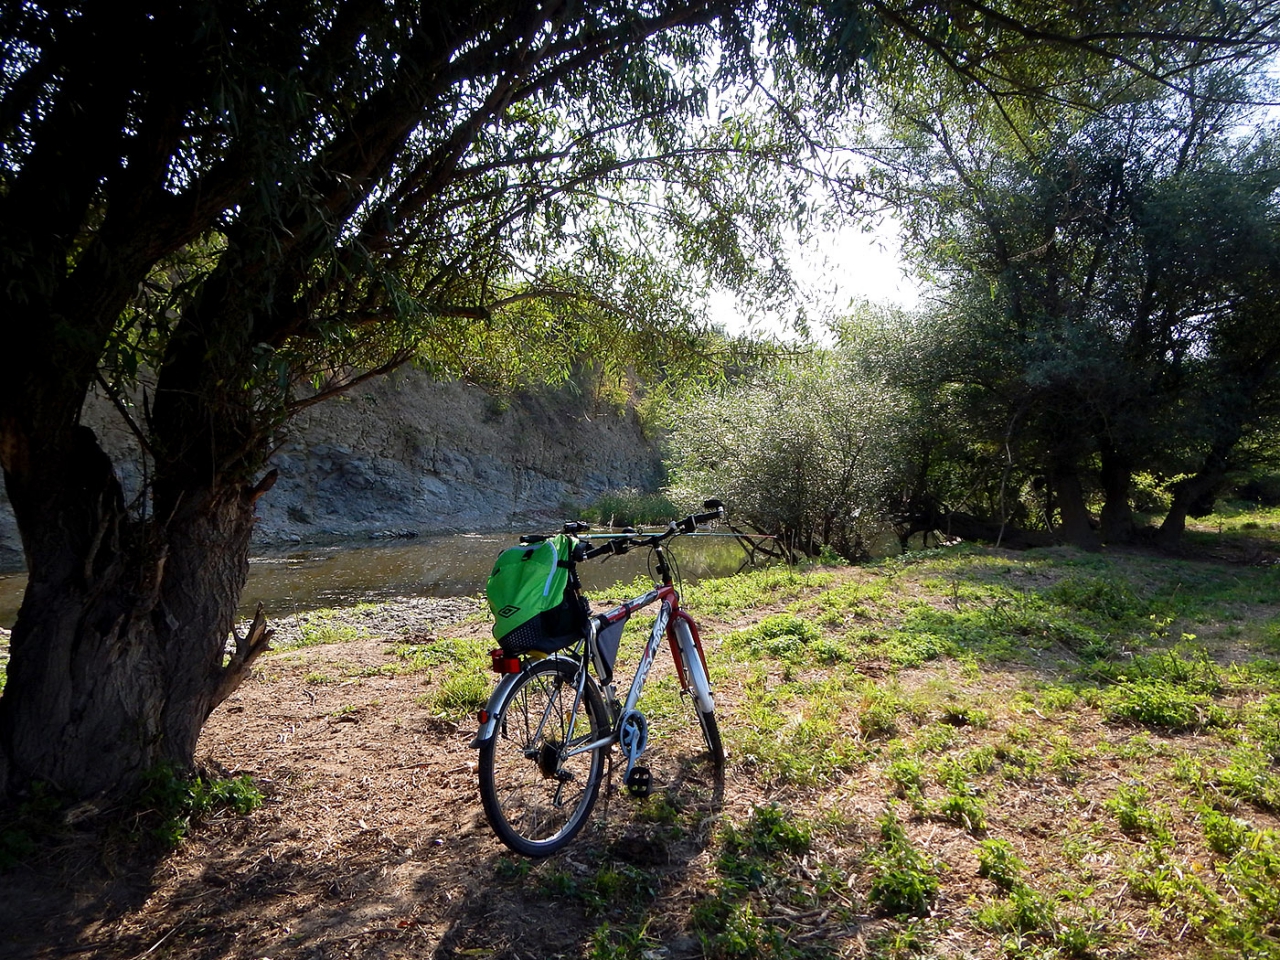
(835, 269)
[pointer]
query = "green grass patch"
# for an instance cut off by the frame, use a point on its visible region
(794, 741)
(1097, 598)
(1159, 704)
(631, 508)
(318, 627)
(1000, 629)
(1251, 775)
(788, 638)
(755, 588)
(451, 654)
(177, 801)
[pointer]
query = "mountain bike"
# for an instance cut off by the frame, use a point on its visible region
(550, 725)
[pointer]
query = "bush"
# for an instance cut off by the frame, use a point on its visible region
(808, 451)
(1151, 494)
(631, 508)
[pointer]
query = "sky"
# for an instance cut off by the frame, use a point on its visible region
(835, 269)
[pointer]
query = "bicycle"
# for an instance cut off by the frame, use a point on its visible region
(550, 725)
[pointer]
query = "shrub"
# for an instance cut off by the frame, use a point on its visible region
(810, 450)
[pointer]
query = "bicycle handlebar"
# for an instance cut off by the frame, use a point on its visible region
(620, 545)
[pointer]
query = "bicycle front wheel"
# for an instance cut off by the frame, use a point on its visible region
(537, 789)
(695, 671)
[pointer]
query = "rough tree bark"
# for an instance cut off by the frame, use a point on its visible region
(118, 654)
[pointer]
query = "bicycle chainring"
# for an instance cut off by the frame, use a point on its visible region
(633, 736)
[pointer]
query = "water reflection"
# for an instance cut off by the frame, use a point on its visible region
(308, 578)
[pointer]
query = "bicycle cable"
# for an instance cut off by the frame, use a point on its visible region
(673, 566)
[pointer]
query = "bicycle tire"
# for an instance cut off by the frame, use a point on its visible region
(695, 671)
(711, 735)
(535, 800)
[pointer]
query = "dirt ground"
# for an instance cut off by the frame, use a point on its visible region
(371, 842)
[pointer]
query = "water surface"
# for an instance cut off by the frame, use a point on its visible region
(307, 578)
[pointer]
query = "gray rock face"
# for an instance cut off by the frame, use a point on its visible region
(405, 456)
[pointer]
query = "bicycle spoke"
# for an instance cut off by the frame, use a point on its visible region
(536, 791)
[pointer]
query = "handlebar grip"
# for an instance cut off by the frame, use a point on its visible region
(610, 548)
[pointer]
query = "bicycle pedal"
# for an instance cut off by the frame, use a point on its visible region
(639, 781)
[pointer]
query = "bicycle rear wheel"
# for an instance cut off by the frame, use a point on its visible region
(537, 794)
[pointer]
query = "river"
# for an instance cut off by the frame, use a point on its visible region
(307, 578)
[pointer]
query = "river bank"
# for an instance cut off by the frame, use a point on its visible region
(407, 456)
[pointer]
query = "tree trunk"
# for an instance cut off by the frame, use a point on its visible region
(1076, 527)
(1117, 508)
(1211, 475)
(117, 657)
(1185, 495)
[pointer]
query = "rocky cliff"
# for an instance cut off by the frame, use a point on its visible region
(405, 455)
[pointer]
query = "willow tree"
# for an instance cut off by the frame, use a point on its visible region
(218, 212)
(1106, 282)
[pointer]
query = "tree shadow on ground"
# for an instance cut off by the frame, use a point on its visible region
(275, 884)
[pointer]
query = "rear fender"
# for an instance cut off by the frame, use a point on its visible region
(493, 708)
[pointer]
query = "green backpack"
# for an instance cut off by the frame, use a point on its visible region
(528, 592)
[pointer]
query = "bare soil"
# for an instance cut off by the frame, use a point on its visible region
(371, 843)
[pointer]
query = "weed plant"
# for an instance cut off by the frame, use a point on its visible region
(764, 868)
(904, 880)
(177, 801)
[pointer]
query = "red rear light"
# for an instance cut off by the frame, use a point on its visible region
(503, 663)
(483, 717)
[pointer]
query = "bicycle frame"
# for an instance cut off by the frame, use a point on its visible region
(669, 620)
(540, 778)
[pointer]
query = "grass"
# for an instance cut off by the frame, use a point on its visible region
(630, 508)
(959, 752)
(458, 669)
(1047, 754)
(317, 627)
